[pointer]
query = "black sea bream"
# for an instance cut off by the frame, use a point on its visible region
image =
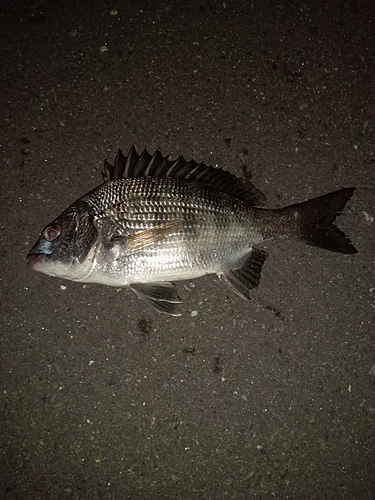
(156, 221)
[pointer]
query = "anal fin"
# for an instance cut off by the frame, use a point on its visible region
(247, 276)
(162, 296)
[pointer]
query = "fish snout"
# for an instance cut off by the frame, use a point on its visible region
(35, 260)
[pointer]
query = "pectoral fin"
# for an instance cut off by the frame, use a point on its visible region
(134, 243)
(162, 296)
(247, 276)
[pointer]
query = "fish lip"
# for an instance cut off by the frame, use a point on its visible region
(35, 258)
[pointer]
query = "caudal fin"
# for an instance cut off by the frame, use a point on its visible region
(316, 221)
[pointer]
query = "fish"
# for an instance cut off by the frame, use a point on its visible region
(154, 221)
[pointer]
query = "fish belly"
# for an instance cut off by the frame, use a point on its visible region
(178, 257)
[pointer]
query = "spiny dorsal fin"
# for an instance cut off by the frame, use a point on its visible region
(159, 166)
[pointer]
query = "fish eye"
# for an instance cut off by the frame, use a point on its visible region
(52, 232)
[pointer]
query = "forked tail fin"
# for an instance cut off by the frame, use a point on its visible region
(316, 221)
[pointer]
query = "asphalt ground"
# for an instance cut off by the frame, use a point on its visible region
(102, 397)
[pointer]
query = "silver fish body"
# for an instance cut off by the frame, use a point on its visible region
(157, 221)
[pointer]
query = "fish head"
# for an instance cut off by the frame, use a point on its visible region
(67, 247)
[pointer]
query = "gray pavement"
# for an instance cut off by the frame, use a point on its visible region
(104, 399)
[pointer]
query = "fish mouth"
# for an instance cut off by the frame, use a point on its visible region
(34, 260)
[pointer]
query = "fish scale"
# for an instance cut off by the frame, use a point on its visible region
(203, 238)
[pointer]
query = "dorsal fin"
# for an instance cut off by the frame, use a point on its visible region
(159, 166)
